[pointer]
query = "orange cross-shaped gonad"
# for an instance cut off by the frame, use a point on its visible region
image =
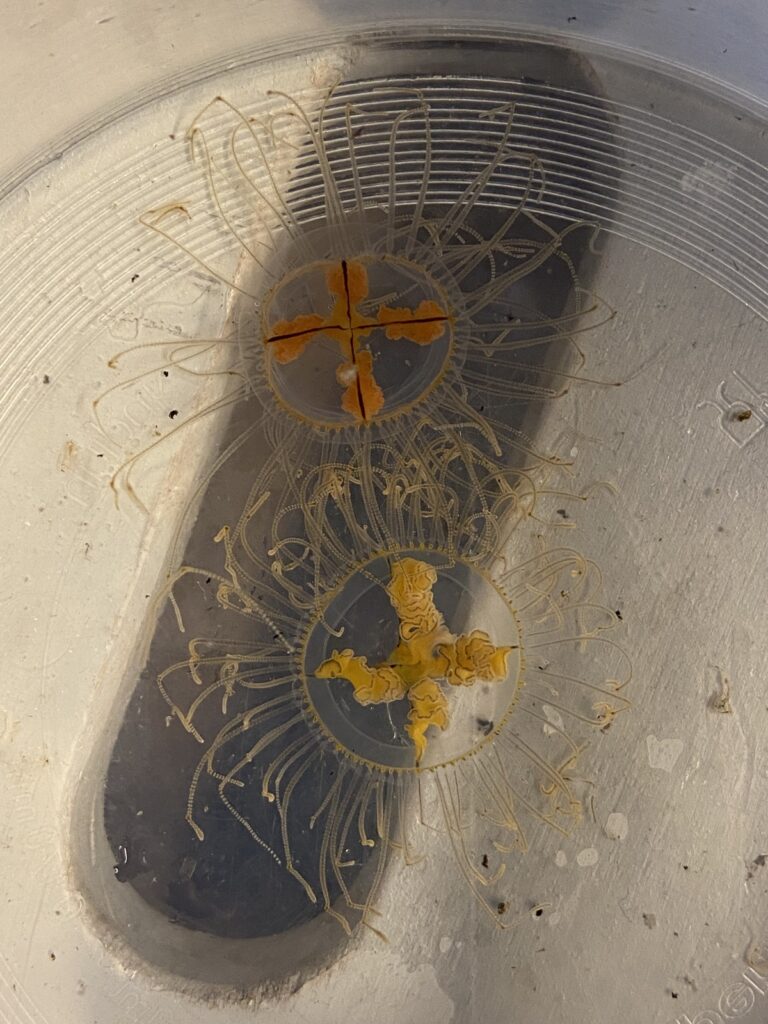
(348, 284)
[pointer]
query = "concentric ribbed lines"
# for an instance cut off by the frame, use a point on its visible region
(658, 184)
(638, 192)
(43, 269)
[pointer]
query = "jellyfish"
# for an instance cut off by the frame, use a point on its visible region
(412, 647)
(390, 281)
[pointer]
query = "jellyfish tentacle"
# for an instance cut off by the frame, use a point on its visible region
(455, 836)
(152, 219)
(283, 807)
(197, 138)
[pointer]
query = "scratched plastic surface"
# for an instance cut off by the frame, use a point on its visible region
(653, 907)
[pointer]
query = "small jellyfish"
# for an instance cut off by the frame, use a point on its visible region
(396, 638)
(390, 283)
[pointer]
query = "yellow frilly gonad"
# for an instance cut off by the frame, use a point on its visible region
(427, 654)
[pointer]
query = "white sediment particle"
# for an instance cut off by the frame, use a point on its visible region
(346, 374)
(616, 826)
(587, 857)
(554, 717)
(663, 754)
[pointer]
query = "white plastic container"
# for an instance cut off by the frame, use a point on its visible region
(654, 909)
